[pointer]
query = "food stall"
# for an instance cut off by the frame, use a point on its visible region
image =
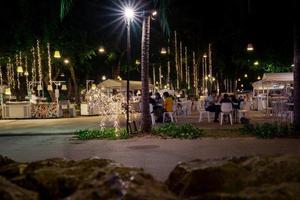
(272, 84)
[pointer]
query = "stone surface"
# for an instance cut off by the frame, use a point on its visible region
(268, 177)
(86, 179)
(10, 191)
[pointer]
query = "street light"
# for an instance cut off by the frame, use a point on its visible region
(101, 50)
(103, 78)
(250, 47)
(129, 15)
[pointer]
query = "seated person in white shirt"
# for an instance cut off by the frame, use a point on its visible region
(211, 106)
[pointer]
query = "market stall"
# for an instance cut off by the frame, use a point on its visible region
(272, 84)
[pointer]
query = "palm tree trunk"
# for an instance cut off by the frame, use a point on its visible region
(296, 76)
(73, 77)
(146, 118)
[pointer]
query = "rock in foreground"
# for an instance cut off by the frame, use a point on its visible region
(86, 179)
(249, 178)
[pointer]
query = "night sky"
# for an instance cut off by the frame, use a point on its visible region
(229, 25)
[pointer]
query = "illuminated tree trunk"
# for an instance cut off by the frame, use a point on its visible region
(146, 118)
(75, 86)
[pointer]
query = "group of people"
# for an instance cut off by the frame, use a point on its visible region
(161, 105)
(213, 103)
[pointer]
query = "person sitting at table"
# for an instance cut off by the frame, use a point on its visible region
(168, 102)
(210, 105)
(226, 99)
(158, 108)
(235, 102)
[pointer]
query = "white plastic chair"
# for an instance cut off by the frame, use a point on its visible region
(226, 109)
(152, 114)
(172, 115)
(202, 111)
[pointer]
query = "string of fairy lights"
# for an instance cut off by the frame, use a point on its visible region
(109, 108)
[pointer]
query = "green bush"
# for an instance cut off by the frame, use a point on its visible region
(106, 133)
(186, 131)
(269, 130)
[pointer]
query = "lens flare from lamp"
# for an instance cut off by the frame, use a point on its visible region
(129, 13)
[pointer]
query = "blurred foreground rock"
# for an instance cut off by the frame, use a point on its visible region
(86, 179)
(245, 178)
(249, 178)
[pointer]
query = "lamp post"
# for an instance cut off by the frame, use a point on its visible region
(129, 14)
(87, 84)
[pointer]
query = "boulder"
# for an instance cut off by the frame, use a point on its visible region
(10, 191)
(88, 179)
(257, 177)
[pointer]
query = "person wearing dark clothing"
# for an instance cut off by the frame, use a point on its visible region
(210, 105)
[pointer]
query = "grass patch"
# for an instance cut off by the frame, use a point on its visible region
(106, 133)
(223, 133)
(186, 131)
(269, 130)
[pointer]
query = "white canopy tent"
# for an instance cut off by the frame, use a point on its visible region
(121, 85)
(273, 81)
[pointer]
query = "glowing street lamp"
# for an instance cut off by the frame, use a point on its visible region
(256, 63)
(163, 51)
(101, 50)
(103, 78)
(250, 47)
(246, 75)
(66, 61)
(258, 78)
(57, 54)
(129, 15)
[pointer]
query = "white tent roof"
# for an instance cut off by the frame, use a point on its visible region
(278, 77)
(117, 84)
(273, 81)
(260, 85)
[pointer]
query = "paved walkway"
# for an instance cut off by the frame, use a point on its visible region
(156, 156)
(70, 125)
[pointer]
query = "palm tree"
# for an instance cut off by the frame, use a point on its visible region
(162, 5)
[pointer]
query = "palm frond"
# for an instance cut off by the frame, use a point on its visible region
(162, 6)
(65, 6)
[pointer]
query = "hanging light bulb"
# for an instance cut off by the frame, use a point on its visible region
(49, 88)
(26, 73)
(39, 87)
(7, 91)
(94, 86)
(20, 69)
(57, 54)
(64, 87)
(246, 75)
